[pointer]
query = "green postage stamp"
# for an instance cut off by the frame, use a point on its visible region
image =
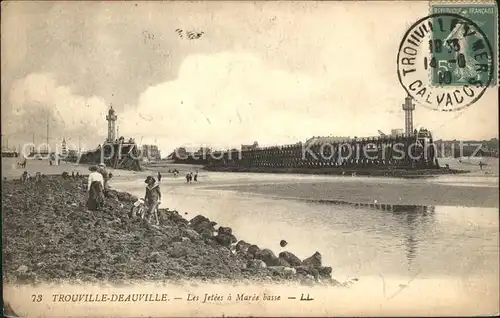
(455, 45)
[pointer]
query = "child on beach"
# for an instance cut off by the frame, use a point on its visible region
(152, 198)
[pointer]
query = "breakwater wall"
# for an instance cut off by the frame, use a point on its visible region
(413, 155)
(400, 152)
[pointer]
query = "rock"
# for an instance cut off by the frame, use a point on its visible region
(315, 273)
(199, 222)
(256, 263)
(204, 226)
(290, 258)
(290, 271)
(112, 195)
(223, 239)
(176, 250)
(282, 262)
(176, 238)
(225, 230)
(268, 257)
(307, 270)
(154, 257)
(242, 247)
(283, 243)
(307, 280)
(314, 260)
(253, 250)
(176, 218)
(185, 239)
(197, 219)
(22, 269)
(115, 221)
(283, 271)
(191, 234)
(206, 234)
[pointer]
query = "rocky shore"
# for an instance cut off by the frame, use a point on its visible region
(49, 236)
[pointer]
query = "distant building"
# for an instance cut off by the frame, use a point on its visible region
(253, 146)
(151, 152)
(9, 153)
(397, 132)
(64, 149)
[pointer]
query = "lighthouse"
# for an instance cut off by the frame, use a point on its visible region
(408, 107)
(64, 150)
(111, 118)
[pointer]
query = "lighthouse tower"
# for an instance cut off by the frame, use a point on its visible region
(408, 107)
(64, 150)
(111, 118)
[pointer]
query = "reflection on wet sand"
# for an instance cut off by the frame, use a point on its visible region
(415, 219)
(378, 206)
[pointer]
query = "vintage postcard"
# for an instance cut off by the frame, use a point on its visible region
(250, 158)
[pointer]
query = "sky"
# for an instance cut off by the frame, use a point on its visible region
(270, 72)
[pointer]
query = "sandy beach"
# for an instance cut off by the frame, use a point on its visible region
(453, 245)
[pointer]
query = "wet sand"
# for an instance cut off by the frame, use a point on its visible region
(475, 189)
(448, 259)
(364, 191)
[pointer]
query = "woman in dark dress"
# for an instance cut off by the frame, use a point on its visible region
(95, 200)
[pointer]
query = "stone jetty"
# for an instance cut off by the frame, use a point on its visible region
(49, 236)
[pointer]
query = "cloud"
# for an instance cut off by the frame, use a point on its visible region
(229, 98)
(38, 96)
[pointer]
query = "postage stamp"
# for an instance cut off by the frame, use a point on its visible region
(446, 61)
(454, 49)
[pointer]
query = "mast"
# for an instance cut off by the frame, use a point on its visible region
(47, 131)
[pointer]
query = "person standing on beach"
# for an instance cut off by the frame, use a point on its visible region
(159, 176)
(196, 176)
(152, 198)
(95, 189)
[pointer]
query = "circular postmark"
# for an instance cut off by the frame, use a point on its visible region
(445, 62)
